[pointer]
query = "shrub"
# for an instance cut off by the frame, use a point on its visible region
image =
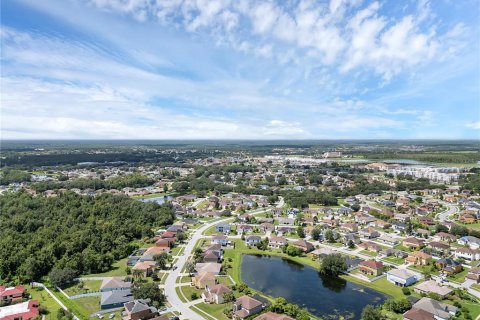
(406, 291)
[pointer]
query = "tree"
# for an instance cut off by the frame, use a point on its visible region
(148, 291)
(181, 236)
(316, 234)
(300, 232)
(355, 207)
(333, 265)
(229, 296)
(61, 277)
(329, 236)
(397, 305)
(161, 260)
(351, 244)
(440, 228)
(371, 313)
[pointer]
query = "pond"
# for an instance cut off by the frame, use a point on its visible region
(328, 298)
(159, 200)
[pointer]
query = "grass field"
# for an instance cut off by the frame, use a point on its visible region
(88, 286)
(88, 305)
(45, 300)
(214, 310)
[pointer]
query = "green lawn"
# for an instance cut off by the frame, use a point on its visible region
(475, 226)
(224, 280)
(203, 204)
(369, 253)
(381, 285)
(88, 305)
(180, 295)
(214, 310)
(394, 260)
(88, 286)
(118, 269)
(188, 290)
(459, 277)
(153, 195)
(45, 300)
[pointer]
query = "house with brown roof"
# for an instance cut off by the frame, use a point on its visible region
(467, 254)
(439, 248)
(204, 279)
(303, 245)
(474, 274)
(370, 246)
(371, 267)
(277, 242)
(446, 237)
(369, 233)
(215, 294)
(448, 266)
(349, 227)
(413, 243)
(146, 267)
(246, 306)
(419, 258)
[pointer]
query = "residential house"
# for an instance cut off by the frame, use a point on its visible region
(427, 308)
(204, 279)
(474, 274)
(223, 228)
(215, 294)
(369, 233)
(253, 240)
(431, 286)
(211, 267)
(380, 224)
(438, 248)
(419, 258)
(303, 245)
(351, 237)
(115, 299)
(20, 311)
(220, 239)
(115, 283)
(393, 252)
(146, 267)
(286, 221)
(9, 294)
(467, 254)
(139, 310)
(413, 243)
(401, 277)
(370, 246)
(277, 242)
(472, 242)
(448, 266)
(443, 236)
(399, 227)
(246, 306)
(267, 227)
(388, 240)
(371, 267)
(349, 227)
(244, 229)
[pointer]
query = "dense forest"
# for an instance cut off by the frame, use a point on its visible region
(132, 180)
(85, 234)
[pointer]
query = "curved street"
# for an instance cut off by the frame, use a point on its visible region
(170, 292)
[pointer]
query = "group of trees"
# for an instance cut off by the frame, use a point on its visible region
(280, 305)
(10, 176)
(71, 232)
(333, 265)
(134, 180)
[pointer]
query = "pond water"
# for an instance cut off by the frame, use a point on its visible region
(328, 298)
(159, 200)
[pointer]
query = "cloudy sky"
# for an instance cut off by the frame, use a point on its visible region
(240, 69)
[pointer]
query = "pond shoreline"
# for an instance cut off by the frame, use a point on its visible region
(323, 291)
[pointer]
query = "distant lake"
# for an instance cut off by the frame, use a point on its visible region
(159, 200)
(404, 161)
(328, 298)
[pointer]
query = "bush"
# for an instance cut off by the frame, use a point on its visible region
(406, 291)
(194, 296)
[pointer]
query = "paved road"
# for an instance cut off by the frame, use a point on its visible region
(170, 292)
(442, 216)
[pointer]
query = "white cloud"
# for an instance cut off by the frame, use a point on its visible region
(474, 125)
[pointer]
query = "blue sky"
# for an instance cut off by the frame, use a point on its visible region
(243, 69)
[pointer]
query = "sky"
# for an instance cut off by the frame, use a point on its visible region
(240, 69)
